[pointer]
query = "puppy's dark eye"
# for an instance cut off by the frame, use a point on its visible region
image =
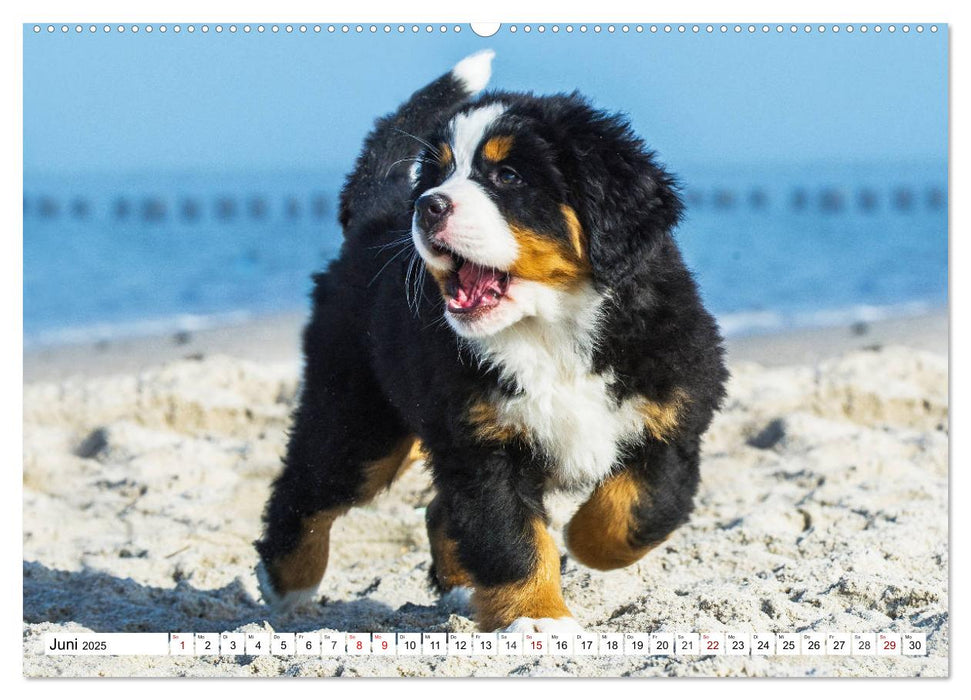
(507, 176)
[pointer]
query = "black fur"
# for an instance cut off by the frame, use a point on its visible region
(378, 371)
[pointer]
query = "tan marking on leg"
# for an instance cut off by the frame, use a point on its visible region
(304, 566)
(497, 148)
(382, 472)
(486, 424)
(448, 569)
(661, 418)
(537, 596)
(545, 259)
(577, 235)
(598, 535)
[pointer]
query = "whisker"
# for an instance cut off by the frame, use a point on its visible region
(434, 150)
(398, 241)
(410, 159)
(383, 267)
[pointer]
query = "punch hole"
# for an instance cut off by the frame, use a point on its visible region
(513, 29)
(906, 28)
(920, 29)
(162, 28)
(485, 29)
(149, 28)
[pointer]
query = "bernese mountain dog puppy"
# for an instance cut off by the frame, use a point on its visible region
(508, 297)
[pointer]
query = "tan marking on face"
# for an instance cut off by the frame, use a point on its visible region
(304, 566)
(598, 535)
(449, 571)
(486, 424)
(445, 157)
(577, 234)
(548, 260)
(538, 595)
(661, 418)
(497, 148)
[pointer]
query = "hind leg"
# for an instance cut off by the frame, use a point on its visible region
(346, 444)
(636, 508)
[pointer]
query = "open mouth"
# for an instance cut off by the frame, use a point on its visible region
(472, 289)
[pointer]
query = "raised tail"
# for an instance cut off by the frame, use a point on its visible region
(384, 164)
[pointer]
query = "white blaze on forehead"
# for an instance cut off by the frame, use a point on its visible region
(468, 130)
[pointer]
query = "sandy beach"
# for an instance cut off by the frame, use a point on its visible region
(823, 507)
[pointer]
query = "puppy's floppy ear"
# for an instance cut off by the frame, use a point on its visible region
(626, 203)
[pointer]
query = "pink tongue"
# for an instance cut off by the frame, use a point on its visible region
(478, 287)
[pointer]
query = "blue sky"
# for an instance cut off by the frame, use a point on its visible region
(229, 102)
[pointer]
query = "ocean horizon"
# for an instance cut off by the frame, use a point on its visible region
(773, 246)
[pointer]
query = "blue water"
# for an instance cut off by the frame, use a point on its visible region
(772, 246)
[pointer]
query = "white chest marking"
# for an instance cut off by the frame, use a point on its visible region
(568, 412)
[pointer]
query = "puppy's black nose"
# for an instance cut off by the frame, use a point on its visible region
(433, 210)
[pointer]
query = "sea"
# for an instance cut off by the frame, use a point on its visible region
(773, 246)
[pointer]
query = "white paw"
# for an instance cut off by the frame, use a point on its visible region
(282, 603)
(459, 600)
(560, 625)
(474, 71)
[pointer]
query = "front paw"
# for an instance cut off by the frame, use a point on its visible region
(558, 625)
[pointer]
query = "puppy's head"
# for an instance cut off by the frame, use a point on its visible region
(525, 205)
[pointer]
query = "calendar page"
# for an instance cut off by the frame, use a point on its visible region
(425, 348)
